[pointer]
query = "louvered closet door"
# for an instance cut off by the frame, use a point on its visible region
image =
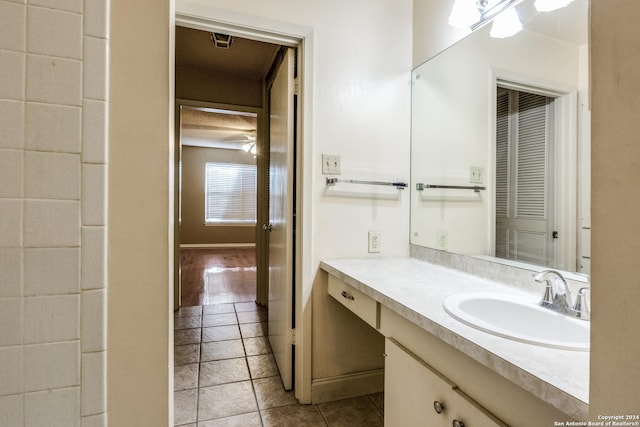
(524, 181)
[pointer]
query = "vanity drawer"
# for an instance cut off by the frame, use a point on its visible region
(360, 304)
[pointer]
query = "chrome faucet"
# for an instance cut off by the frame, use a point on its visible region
(557, 296)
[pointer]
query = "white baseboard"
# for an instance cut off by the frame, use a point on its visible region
(216, 245)
(345, 386)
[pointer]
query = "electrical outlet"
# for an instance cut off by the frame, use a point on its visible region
(476, 175)
(442, 240)
(374, 241)
(331, 164)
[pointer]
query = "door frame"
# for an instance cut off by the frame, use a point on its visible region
(565, 158)
(206, 18)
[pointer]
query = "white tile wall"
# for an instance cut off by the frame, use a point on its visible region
(51, 271)
(12, 124)
(51, 408)
(68, 5)
(54, 80)
(10, 223)
(53, 365)
(93, 258)
(67, 27)
(51, 319)
(94, 317)
(53, 157)
(51, 223)
(94, 368)
(11, 319)
(10, 272)
(12, 410)
(12, 18)
(54, 128)
(12, 75)
(94, 132)
(11, 173)
(52, 175)
(94, 191)
(11, 370)
(95, 24)
(99, 420)
(95, 81)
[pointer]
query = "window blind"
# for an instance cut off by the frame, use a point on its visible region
(230, 193)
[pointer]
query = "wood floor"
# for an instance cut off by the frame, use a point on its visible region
(217, 276)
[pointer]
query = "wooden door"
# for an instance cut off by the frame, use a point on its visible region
(281, 217)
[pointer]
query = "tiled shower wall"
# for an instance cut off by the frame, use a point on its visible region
(53, 166)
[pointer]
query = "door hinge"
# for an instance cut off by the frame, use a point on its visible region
(554, 234)
(296, 84)
(292, 337)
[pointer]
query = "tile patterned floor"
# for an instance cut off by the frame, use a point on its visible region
(226, 376)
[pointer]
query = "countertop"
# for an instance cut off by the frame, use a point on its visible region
(416, 289)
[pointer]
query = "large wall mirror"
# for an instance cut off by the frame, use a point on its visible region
(500, 162)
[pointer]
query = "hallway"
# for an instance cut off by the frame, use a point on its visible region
(225, 373)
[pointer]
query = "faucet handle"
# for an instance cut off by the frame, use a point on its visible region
(581, 307)
(547, 298)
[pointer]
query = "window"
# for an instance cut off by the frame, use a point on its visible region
(230, 193)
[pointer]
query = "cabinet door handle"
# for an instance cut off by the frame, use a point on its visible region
(438, 407)
(347, 295)
(458, 423)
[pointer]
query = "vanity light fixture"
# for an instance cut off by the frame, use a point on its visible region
(551, 5)
(464, 14)
(506, 24)
(474, 13)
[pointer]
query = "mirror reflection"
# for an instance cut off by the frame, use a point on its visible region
(500, 143)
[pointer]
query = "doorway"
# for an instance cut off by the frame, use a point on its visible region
(216, 208)
(535, 174)
(229, 89)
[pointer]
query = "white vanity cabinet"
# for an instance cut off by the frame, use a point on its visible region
(418, 395)
(360, 304)
(427, 362)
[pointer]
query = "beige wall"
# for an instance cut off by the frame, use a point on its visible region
(193, 229)
(615, 365)
(139, 344)
(200, 85)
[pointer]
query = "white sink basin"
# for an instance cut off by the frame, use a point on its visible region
(519, 319)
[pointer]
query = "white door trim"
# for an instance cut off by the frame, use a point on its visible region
(206, 18)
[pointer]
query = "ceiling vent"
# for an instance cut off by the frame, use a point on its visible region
(222, 41)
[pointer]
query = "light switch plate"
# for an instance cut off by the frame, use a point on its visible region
(331, 164)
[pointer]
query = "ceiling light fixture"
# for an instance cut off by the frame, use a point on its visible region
(551, 5)
(250, 147)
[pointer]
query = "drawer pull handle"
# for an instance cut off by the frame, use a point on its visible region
(438, 407)
(458, 423)
(347, 295)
